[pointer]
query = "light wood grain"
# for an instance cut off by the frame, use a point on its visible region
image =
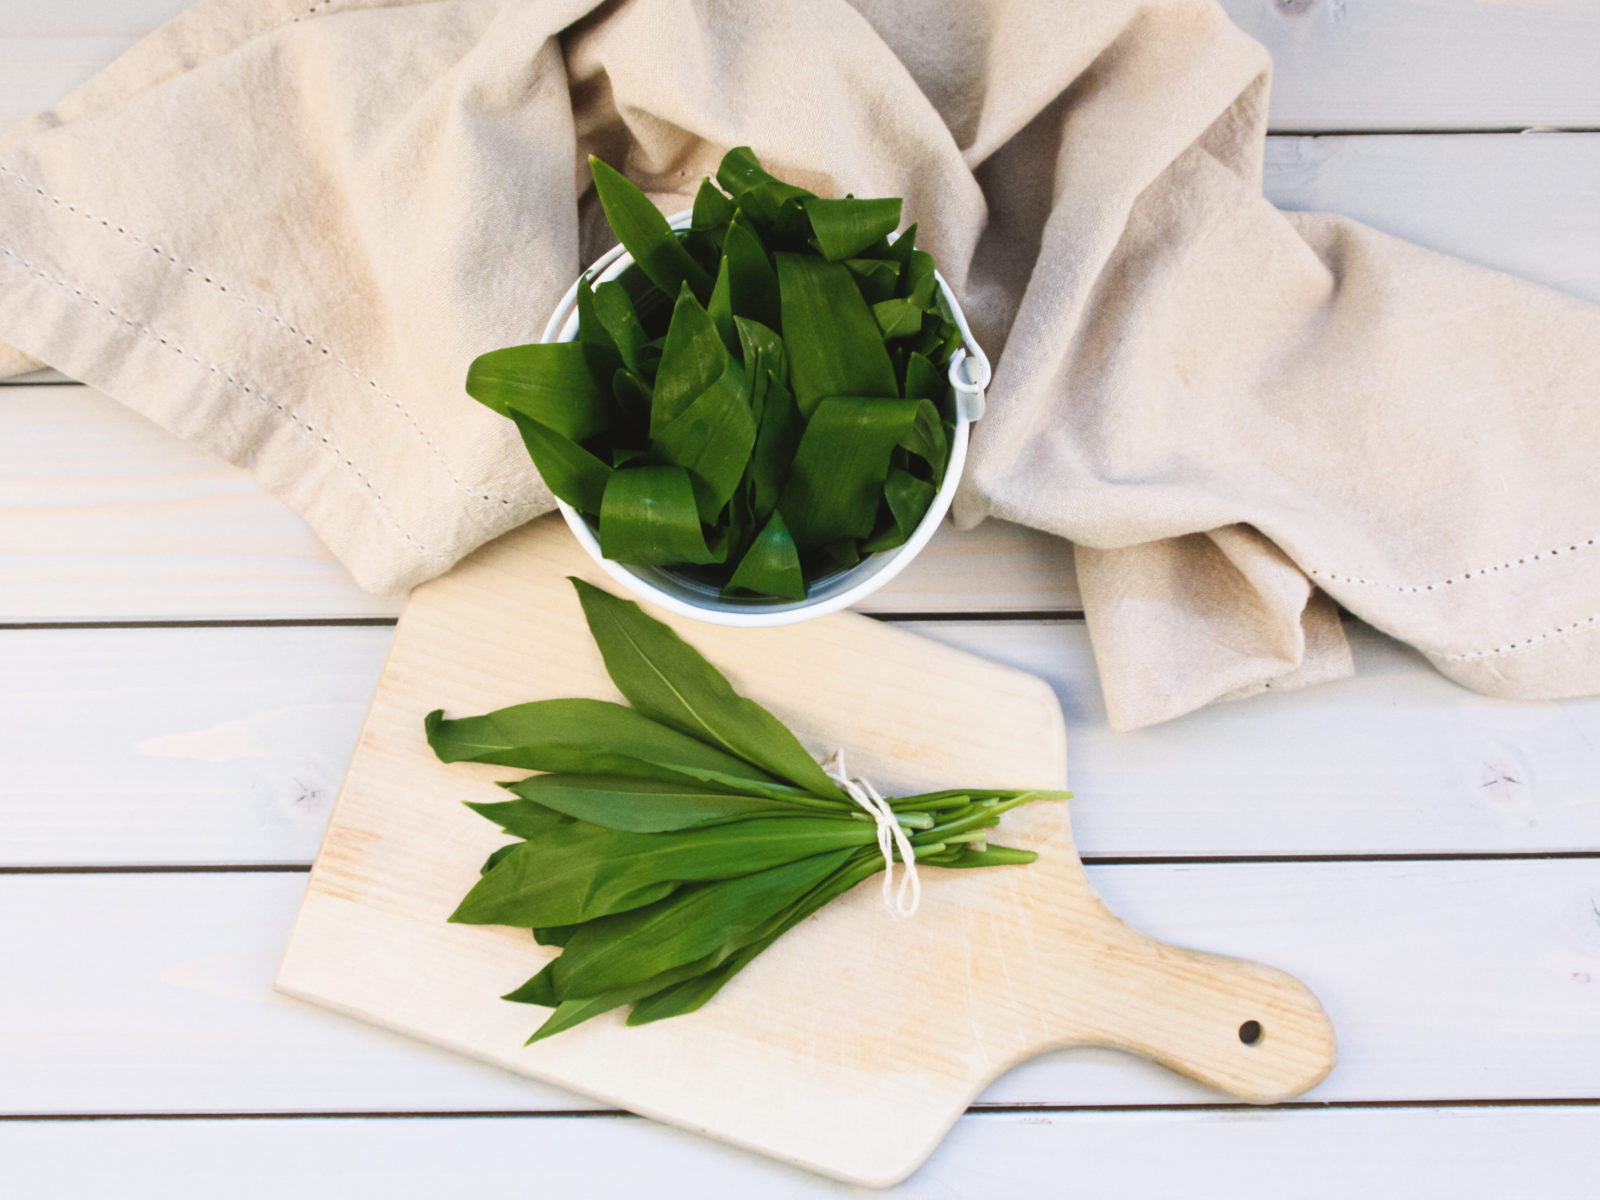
(1420, 1153)
(1428, 64)
(1446, 980)
(105, 516)
(834, 1055)
(195, 746)
(1338, 64)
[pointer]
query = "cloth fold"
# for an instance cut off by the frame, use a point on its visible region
(283, 230)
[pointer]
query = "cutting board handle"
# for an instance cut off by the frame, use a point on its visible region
(1247, 1029)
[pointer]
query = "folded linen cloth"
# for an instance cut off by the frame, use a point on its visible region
(282, 228)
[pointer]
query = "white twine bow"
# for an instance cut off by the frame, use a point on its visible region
(904, 902)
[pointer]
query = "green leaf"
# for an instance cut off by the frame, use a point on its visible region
(764, 359)
(927, 441)
(899, 251)
(771, 567)
(580, 872)
(630, 804)
(993, 856)
(691, 994)
(835, 348)
(917, 281)
(908, 499)
(740, 171)
(720, 307)
(645, 234)
(695, 922)
(569, 1013)
(694, 358)
(712, 210)
(494, 857)
(649, 516)
(612, 309)
(538, 990)
(632, 395)
(584, 735)
(668, 680)
(590, 330)
(753, 282)
(837, 479)
(875, 277)
(524, 818)
(712, 439)
(897, 318)
(568, 470)
(776, 443)
(844, 228)
(923, 380)
(565, 386)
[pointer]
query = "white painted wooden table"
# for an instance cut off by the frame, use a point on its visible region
(182, 671)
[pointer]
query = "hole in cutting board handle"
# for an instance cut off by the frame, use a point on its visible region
(1250, 1033)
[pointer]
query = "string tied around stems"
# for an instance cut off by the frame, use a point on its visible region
(904, 900)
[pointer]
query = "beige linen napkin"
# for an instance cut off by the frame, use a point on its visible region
(283, 229)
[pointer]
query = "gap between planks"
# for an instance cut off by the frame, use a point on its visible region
(1088, 860)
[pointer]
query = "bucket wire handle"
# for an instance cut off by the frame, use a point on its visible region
(969, 367)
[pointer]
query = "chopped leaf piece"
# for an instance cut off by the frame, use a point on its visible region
(772, 564)
(844, 228)
(648, 515)
(835, 348)
(833, 490)
(645, 234)
(562, 385)
(570, 472)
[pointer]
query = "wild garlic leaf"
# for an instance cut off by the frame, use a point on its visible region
(579, 871)
(771, 566)
(582, 735)
(752, 279)
(668, 680)
(649, 515)
(562, 385)
(645, 234)
(712, 439)
(834, 345)
(636, 805)
(776, 443)
(837, 479)
(702, 919)
(576, 1011)
(712, 210)
(693, 359)
(523, 818)
(926, 440)
(897, 318)
(845, 228)
(612, 310)
(691, 994)
(568, 470)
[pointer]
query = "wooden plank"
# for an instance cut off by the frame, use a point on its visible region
(1524, 203)
(1338, 64)
(1465, 1154)
(104, 516)
(1445, 980)
(194, 746)
(1428, 64)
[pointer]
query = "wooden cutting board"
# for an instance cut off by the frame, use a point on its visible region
(854, 1043)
